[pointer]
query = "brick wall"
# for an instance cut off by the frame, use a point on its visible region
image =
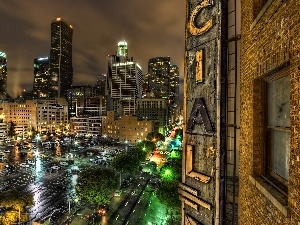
(270, 39)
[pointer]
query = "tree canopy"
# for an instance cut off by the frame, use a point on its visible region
(14, 202)
(11, 130)
(137, 153)
(167, 193)
(155, 137)
(96, 185)
(147, 146)
(125, 162)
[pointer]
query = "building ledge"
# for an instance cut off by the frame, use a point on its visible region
(274, 196)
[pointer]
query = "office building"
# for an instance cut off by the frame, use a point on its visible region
(52, 116)
(41, 80)
(210, 175)
(124, 80)
(162, 80)
(3, 75)
(100, 85)
(126, 129)
(270, 124)
(22, 114)
(61, 69)
(153, 109)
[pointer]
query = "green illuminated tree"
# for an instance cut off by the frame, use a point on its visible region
(171, 170)
(15, 204)
(167, 193)
(147, 146)
(96, 185)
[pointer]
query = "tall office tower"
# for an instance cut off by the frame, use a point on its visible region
(159, 76)
(163, 81)
(174, 85)
(124, 83)
(122, 49)
(41, 77)
(100, 85)
(61, 70)
(3, 76)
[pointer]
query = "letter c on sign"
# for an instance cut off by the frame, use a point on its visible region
(206, 26)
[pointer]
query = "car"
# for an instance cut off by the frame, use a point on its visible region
(25, 165)
(63, 163)
(55, 167)
(73, 150)
(6, 151)
(118, 193)
(89, 153)
(30, 162)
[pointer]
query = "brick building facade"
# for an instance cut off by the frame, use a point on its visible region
(270, 123)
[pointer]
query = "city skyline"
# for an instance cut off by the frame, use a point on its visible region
(96, 35)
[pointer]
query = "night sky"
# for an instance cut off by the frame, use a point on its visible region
(152, 28)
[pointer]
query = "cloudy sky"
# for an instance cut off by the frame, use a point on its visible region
(151, 28)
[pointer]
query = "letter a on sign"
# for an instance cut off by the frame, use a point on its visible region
(199, 116)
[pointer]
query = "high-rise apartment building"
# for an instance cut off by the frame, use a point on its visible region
(124, 80)
(61, 69)
(3, 75)
(41, 78)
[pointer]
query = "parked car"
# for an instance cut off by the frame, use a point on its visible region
(30, 162)
(55, 167)
(89, 153)
(63, 163)
(24, 165)
(6, 151)
(118, 193)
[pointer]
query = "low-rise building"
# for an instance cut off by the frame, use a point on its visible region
(126, 128)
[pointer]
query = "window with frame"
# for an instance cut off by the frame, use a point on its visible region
(277, 126)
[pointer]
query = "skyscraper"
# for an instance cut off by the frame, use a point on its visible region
(122, 49)
(163, 79)
(41, 77)
(61, 69)
(124, 80)
(3, 76)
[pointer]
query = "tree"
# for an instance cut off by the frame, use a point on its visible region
(138, 153)
(96, 185)
(125, 163)
(171, 170)
(11, 130)
(167, 193)
(15, 204)
(147, 146)
(155, 137)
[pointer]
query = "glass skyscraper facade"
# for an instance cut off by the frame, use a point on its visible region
(3, 75)
(61, 69)
(41, 79)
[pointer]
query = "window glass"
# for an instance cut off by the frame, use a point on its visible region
(280, 153)
(279, 102)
